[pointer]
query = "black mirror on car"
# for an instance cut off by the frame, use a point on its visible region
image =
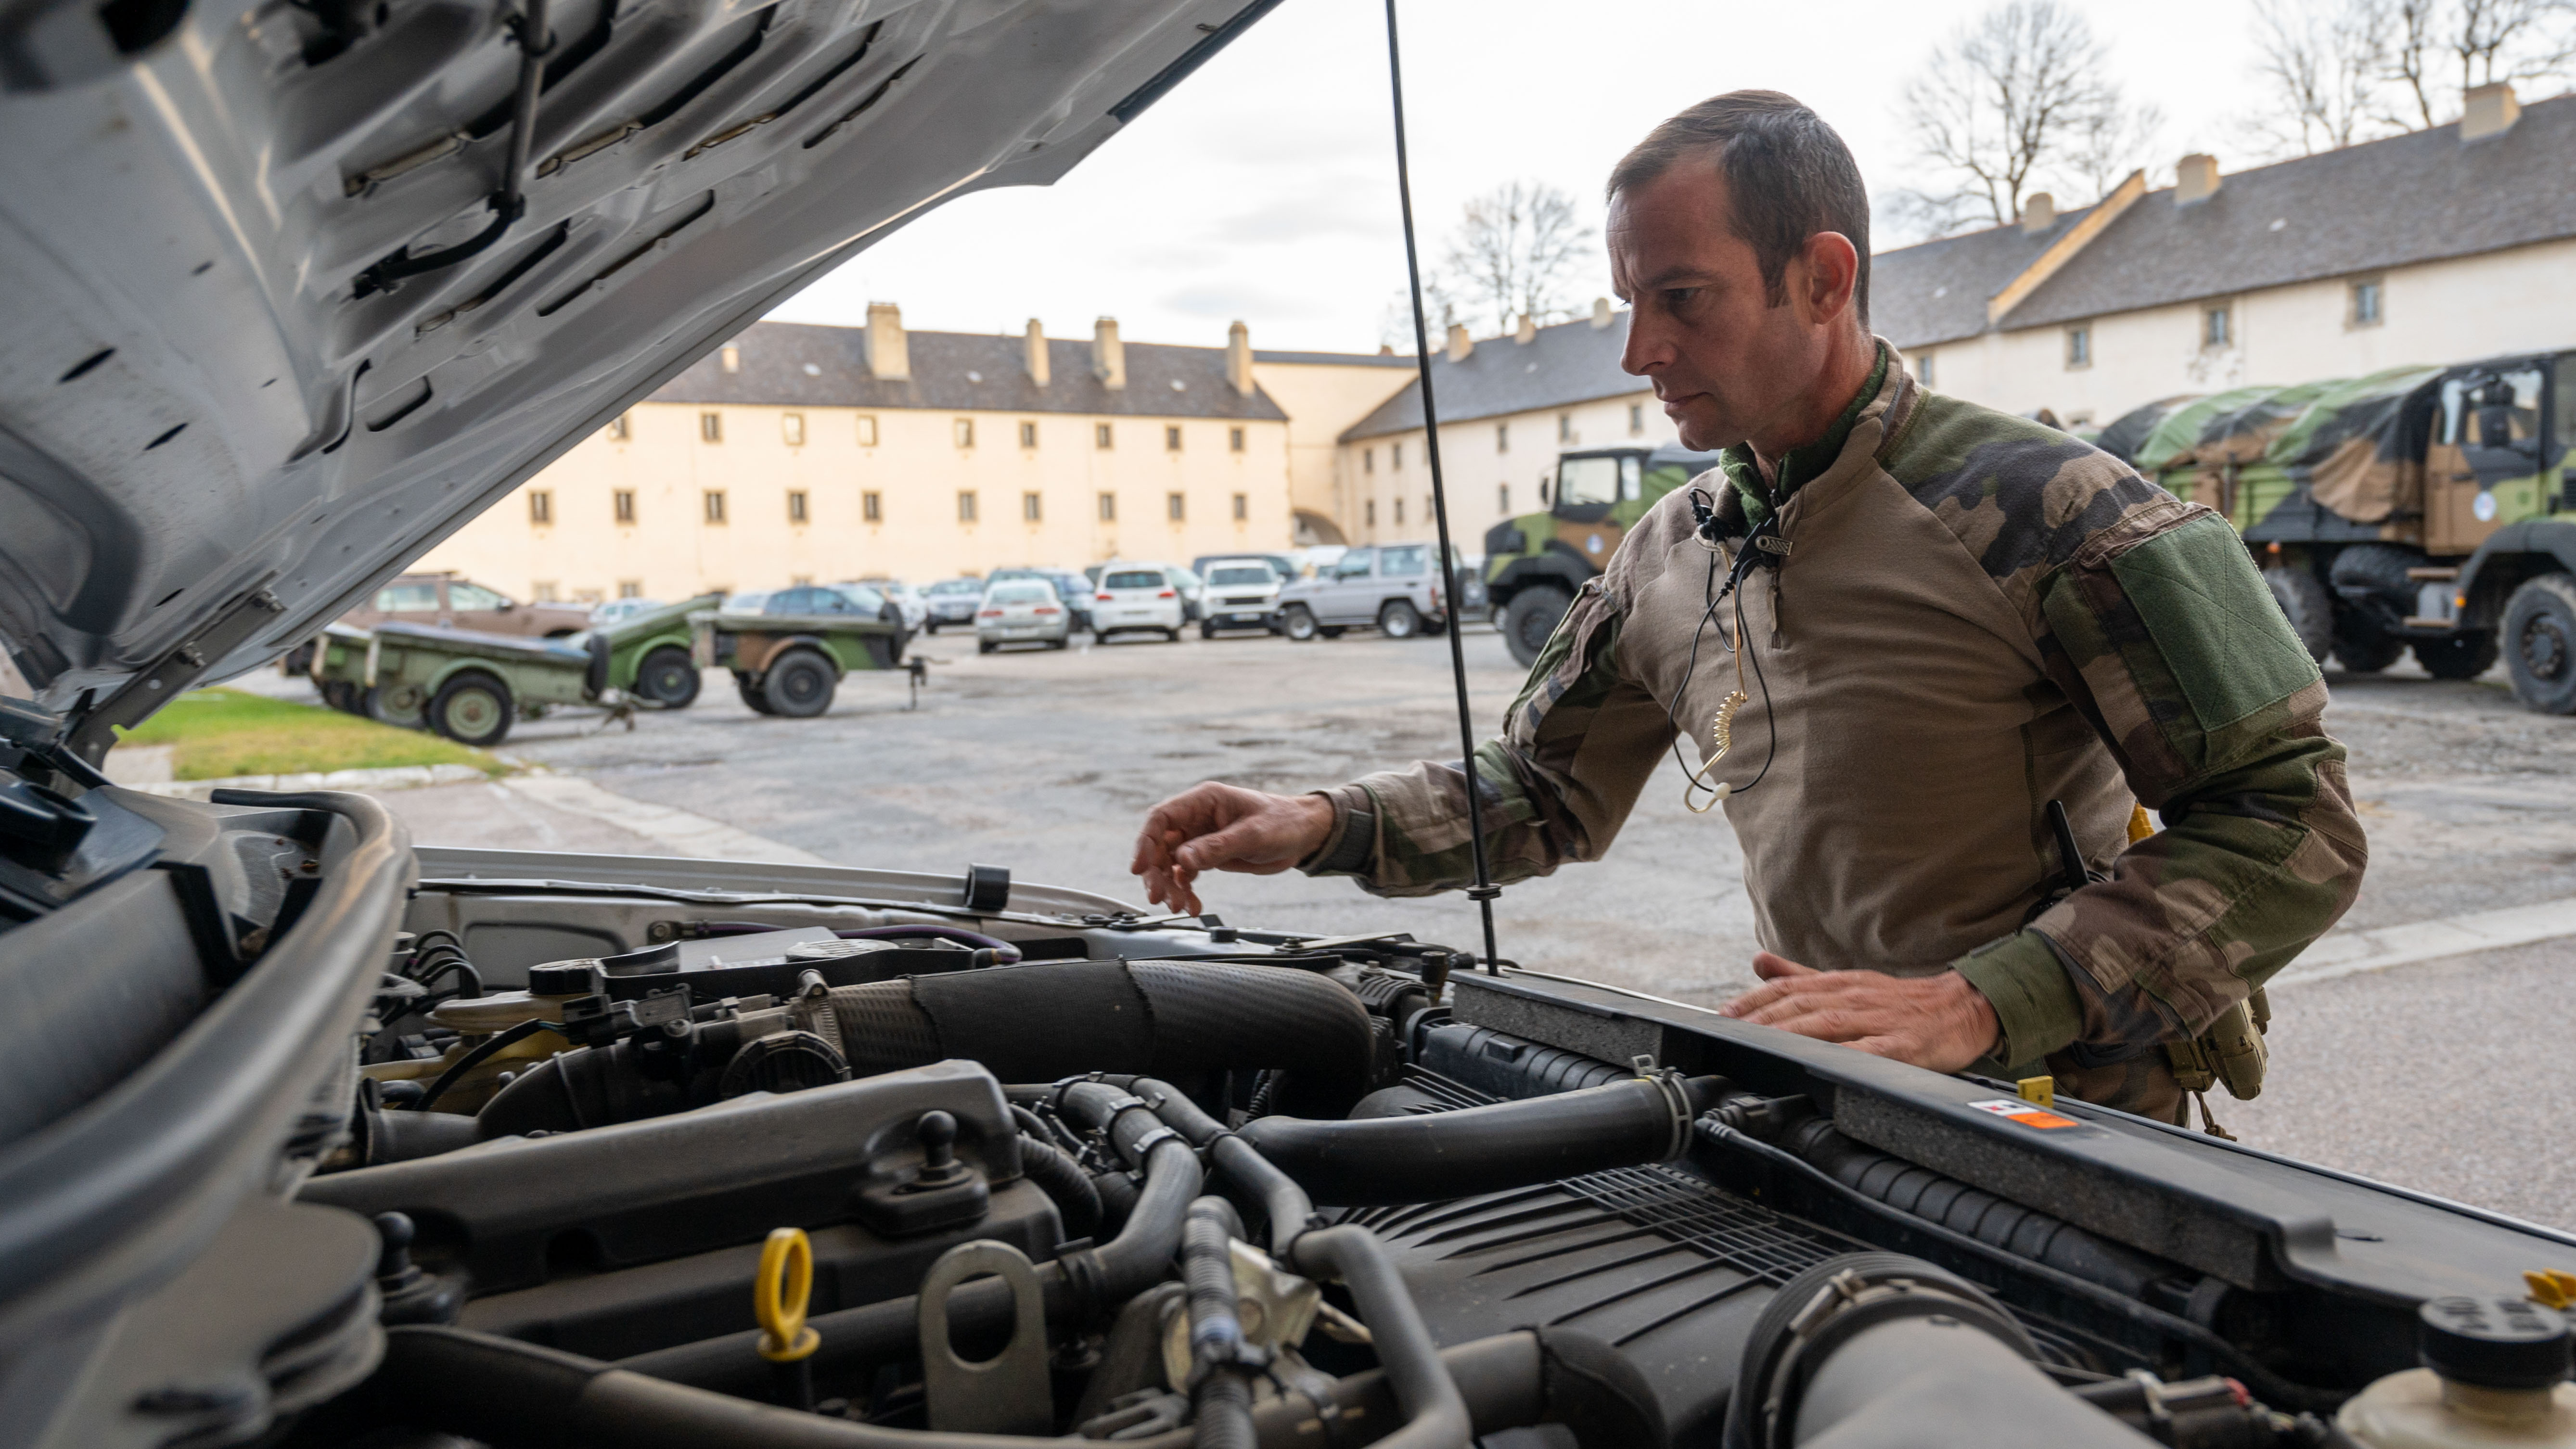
(2495, 427)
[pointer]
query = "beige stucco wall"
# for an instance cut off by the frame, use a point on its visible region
(672, 552)
(1322, 399)
(2437, 312)
(1476, 469)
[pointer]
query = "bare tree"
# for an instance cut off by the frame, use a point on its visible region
(1439, 309)
(2019, 95)
(1515, 251)
(2324, 68)
(2516, 41)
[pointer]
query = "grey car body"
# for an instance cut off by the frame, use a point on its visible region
(951, 601)
(1394, 587)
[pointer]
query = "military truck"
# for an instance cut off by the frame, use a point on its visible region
(2420, 508)
(1534, 563)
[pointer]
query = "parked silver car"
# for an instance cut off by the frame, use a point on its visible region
(952, 601)
(1393, 589)
(1022, 611)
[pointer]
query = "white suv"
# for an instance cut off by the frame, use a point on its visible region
(1136, 598)
(1240, 593)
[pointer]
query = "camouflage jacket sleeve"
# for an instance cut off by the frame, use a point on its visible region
(1578, 744)
(2162, 633)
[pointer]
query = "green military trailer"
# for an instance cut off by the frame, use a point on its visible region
(1534, 563)
(471, 686)
(788, 650)
(2428, 509)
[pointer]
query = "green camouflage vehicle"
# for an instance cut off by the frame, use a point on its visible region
(1534, 563)
(2422, 508)
(789, 649)
(470, 686)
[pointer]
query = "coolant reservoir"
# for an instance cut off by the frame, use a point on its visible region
(2495, 1375)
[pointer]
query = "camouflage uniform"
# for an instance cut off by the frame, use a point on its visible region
(1977, 615)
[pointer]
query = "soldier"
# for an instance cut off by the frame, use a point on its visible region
(1896, 627)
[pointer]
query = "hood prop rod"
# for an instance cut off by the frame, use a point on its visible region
(510, 202)
(1484, 890)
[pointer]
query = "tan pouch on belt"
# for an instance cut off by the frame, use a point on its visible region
(2230, 1054)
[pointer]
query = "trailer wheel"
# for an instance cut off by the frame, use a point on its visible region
(1531, 617)
(2540, 643)
(668, 677)
(2309, 608)
(472, 708)
(394, 704)
(751, 695)
(2457, 656)
(800, 686)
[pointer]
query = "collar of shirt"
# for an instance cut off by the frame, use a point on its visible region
(1801, 464)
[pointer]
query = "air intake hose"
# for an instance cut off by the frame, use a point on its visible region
(1379, 1160)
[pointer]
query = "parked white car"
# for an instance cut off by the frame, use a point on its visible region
(1240, 593)
(1394, 589)
(1137, 598)
(916, 609)
(1021, 611)
(952, 601)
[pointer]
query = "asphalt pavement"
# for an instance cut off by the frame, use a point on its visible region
(2451, 1076)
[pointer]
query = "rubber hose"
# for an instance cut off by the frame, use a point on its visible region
(1222, 1398)
(1077, 1202)
(1443, 1155)
(1435, 1413)
(1223, 1403)
(1049, 1019)
(1117, 1192)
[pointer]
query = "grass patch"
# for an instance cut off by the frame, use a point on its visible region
(224, 732)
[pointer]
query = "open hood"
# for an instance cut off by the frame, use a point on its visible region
(278, 322)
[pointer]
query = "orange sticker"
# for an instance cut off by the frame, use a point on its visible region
(2025, 1113)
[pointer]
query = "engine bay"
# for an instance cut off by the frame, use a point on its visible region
(615, 1150)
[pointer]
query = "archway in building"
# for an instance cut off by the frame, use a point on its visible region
(1314, 530)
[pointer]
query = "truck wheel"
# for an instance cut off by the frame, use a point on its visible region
(473, 708)
(1531, 617)
(668, 678)
(2362, 647)
(750, 693)
(2457, 656)
(1299, 623)
(800, 686)
(2540, 643)
(2306, 604)
(1399, 620)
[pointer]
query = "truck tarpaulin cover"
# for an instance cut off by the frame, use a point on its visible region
(2355, 445)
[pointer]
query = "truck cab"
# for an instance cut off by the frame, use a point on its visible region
(1534, 563)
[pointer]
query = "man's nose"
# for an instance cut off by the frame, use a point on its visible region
(1647, 348)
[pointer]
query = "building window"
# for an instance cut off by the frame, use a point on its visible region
(1565, 427)
(2366, 299)
(872, 507)
(1109, 508)
(1371, 510)
(1502, 437)
(1636, 418)
(1399, 512)
(965, 505)
(630, 588)
(715, 505)
(1395, 456)
(623, 500)
(1368, 461)
(2079, 420)
(2079, 347)
(1031, 509)
(731, 359)
(1176, 507)
(621, 427)
(1100, 435)
(1028, 435)
(2213, 327)
(1923, 369)
(1503, 498)
(1234, 439)
(801, 581)
(791, 426)
(541, 506)
(964, 429)
(1172, 439)
(1242, 507)
(796, 505)
(867, 431)
(711, 427)
(1429, 513)
(546, 593)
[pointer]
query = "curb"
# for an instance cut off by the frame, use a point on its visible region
(396, 777)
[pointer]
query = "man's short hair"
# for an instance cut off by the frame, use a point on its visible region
(1788, 176)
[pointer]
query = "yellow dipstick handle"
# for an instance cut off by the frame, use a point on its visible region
(780, 1293)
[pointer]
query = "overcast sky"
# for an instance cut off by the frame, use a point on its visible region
(1263, 188)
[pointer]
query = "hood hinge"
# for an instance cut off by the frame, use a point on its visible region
(93, 731)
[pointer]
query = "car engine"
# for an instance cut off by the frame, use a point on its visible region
(671, 1152)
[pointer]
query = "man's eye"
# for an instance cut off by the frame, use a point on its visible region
(1679, 296)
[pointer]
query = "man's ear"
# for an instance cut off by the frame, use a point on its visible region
(1824, 274)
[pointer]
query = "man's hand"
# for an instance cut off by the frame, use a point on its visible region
(1224, 827)
(1940, 1022)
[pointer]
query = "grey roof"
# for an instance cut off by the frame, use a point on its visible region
(1570, 362)
(2419, 197)
(1937, 292)
(1337, 359)
(964, 372)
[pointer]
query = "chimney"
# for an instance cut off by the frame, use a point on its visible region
(2195, 179)
(1600, 313)
(1108, 355)
(1037, 353)
(2491, 111)
(1459, 343)
(1526, 333)
(888, 356)
(2039, 212)
(1238, 358)
(1386, 349)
